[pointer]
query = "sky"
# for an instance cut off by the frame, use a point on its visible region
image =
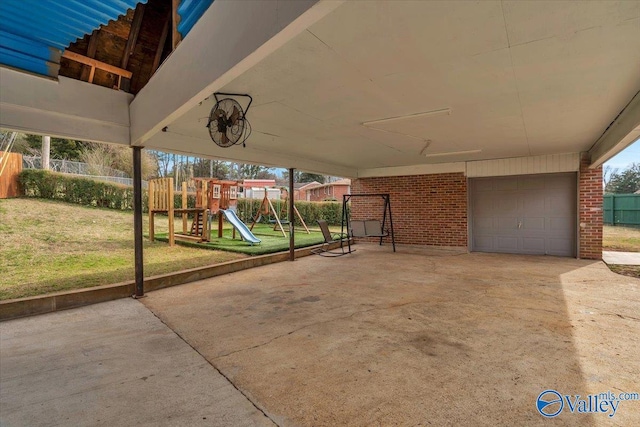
(623, 159)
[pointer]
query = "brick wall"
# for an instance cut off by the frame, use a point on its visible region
(590, 210)
(327, 192)
(427, 209)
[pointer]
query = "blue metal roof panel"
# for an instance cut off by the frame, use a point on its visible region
(190, 11)
(33, 33)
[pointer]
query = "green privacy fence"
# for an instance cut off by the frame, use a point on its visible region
(622, 209)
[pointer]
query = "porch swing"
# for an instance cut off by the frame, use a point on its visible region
(372, 228)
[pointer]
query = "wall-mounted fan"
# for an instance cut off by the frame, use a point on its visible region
(228, 124)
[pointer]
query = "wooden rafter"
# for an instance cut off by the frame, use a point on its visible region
(161, 42)
(175, 17)
(133, 35)
(93, 63)
(87, 71)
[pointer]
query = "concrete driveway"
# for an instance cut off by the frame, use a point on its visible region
(419, 337)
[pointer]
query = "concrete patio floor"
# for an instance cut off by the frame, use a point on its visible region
(419, 337)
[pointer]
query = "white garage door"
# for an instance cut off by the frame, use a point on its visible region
(527, 214)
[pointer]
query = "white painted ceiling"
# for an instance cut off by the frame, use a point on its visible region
(521, 78)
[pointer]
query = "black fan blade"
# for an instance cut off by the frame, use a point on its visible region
(234, 116)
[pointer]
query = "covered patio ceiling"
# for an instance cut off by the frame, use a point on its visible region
(461, 81)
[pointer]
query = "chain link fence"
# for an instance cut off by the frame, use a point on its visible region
(80, 169)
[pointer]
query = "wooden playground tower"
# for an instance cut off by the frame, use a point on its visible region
(161, 200)
(217, 195)
(267, 207)
(212, 195)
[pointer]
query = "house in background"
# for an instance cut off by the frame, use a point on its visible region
(255, 188)
(301, 193)
(329, 191)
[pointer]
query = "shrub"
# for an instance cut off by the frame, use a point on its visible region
(73, 189)
(88, 192)
(310, 211)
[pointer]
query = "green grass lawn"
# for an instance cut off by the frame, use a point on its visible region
(48, 246)
(625, 239)
(272, 241)
(617, 238)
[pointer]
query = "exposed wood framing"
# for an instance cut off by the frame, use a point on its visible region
(131, 44)
(176, 37)
(161, 42)
(133, 35)
(87, 71)
(93, 63)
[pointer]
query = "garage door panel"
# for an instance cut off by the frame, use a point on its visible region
(534, 203)
(507, 244)
(559, 205)
(505, 206)
(484, 185)
(524, 214)
(483, 223)
(561, 224)
(531, 183)
(506, 224)
(533, 245)
(484, 243)
(560, 246)
(534, 223)
(505, 185)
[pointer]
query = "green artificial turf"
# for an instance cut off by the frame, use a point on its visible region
(272, 241)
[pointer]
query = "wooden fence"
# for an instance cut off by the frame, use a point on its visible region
(10, 168)
(622, 209)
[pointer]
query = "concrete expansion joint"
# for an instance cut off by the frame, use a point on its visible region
(254, 404)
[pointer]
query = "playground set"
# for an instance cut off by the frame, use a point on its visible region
(267, 208)
(213, 197)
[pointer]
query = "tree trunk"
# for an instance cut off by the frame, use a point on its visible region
(46, 150)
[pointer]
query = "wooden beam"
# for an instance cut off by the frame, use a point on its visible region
(161, 42)
(87, 71)
(175, 18)
(96, 64)
(133, 35)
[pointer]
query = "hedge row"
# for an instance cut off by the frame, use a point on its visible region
(88, 192)
(310, 211)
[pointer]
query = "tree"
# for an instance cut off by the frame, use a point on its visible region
(67, 149)
(102, 158)
(607, 173)
(300, 176)
(247, 171)
(310, 177)
(625, 182)
(210, 168)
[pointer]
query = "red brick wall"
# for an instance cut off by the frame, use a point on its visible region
(427, 209)
(590, 207)
(328, 192)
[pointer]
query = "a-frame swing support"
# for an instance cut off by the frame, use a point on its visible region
(263, 209)
(346, 220)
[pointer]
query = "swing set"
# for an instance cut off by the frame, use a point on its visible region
(267, 208)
